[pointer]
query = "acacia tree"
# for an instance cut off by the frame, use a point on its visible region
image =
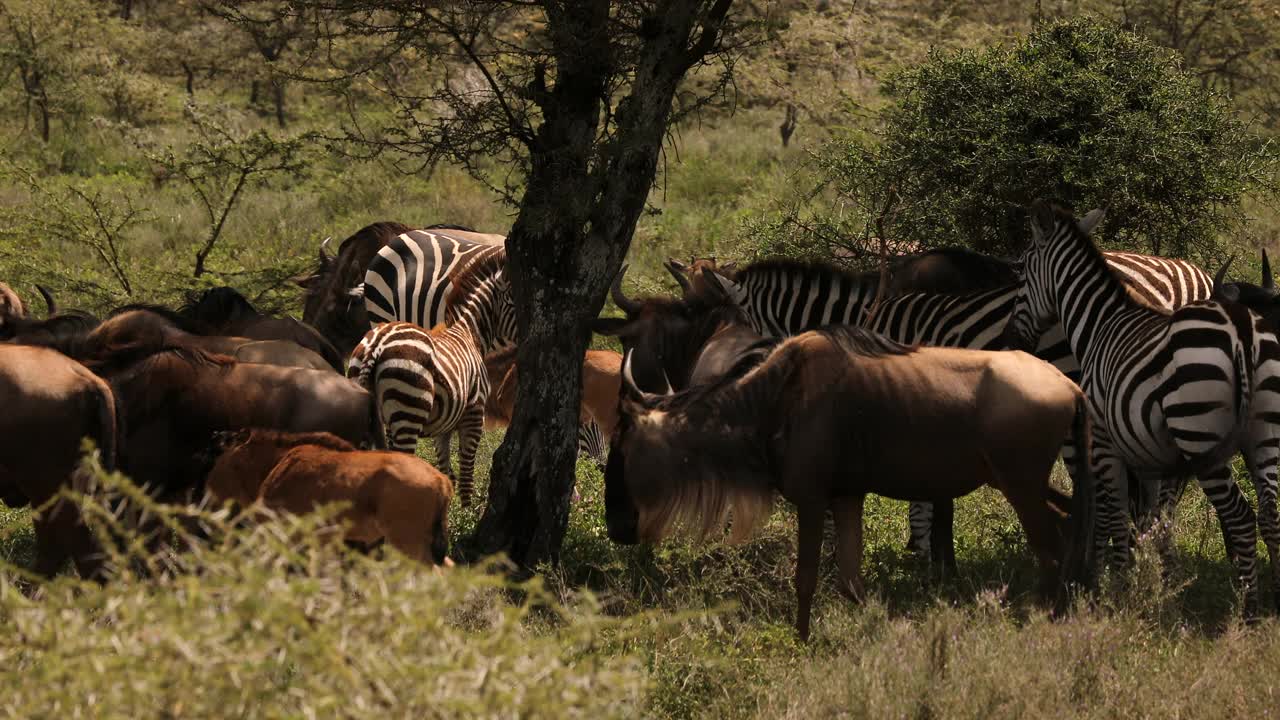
(562, 107)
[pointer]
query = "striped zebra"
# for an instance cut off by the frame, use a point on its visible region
(411, 277)
(783, 298)
(428, 383)
(1172, 394)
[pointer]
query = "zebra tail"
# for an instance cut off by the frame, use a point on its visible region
(1080, 566)
(377, 427)
(1226, 448)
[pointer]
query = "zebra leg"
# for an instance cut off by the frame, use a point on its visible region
(1261, 459)
(920, 518)
(1238, 526)
(444, 454)
(1112, 491)
(470, 428)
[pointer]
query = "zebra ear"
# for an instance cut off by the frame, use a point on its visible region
(1042, 220)
(1268, 283)
(1090, 221)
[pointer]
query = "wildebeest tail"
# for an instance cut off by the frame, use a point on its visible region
(1079, 568)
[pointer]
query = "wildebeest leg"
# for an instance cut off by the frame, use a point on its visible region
(1024, 485)
(848, 520)
(470, 428)
(810, 519)
(942, 546)
(444, 454)
(60, 532)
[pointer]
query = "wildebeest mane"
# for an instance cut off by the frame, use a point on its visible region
(63, 332)
(217, 307)
(475, 274)
(172, 316)
(864, 343)
(127, 361)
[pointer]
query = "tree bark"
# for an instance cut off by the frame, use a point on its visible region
(277, 90)
(574, 228)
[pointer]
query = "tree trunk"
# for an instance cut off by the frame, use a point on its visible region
(277, 90)
(190, 74)
(253, 94)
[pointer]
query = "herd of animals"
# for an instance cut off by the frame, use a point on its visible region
(778, 378)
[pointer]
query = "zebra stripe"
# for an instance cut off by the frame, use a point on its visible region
(1169, 392)
(411, 277)
(976, 321)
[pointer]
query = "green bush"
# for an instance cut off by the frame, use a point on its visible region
(1081, 111)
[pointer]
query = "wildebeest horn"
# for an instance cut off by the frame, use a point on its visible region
(626, 304)
(1220, 289)
(325, 258)
(678, 270)
(48, 300)
(629, 382)
(356, 292)
(1268, 283)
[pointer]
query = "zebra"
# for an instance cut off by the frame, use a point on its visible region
(433, 382)
(784, 298)
(412, 278)
(1172, 394)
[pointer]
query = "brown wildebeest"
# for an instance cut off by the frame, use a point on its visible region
(392, 496)
(601, 383)
(175, 397)
(50, 403)
(154, 326)
(832, 415)
(224, 311)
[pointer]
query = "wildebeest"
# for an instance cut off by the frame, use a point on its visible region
(1263, 299)
(832, 415)
(391, 496)
(50, 403)
(224, 311)
(141, 325)
(175, 397)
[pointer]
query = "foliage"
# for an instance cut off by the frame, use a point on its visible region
(273, 620)
(1079, 111)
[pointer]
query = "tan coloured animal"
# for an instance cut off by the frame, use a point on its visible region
(830, 416)
(391, 496)
(50, 402)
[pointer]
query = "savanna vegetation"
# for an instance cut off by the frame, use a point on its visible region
(151, 149)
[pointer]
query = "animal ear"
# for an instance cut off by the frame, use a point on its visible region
(1091, 220)
(611, 326)
(729, 267)
(1042, 220)
(1268, 283)
(728, 289)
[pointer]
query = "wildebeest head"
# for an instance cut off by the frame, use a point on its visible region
(1035, 308)
(1263, 299)
(331, 303)
(674, 463)
(217, 307)
(664, 335)
(690, 276)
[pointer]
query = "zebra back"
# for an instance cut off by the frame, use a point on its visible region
(410, 279)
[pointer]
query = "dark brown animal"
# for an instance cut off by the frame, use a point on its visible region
(1263, 299)
(390, 495)
(833, 415)
(143, 326)
(327, 304)
(175, 397)
(50, 403)
(224, 311)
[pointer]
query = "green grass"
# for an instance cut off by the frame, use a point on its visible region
(684, 630)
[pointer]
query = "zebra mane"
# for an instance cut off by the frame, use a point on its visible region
(380, 233)
(474, 275)
(1065, 217)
